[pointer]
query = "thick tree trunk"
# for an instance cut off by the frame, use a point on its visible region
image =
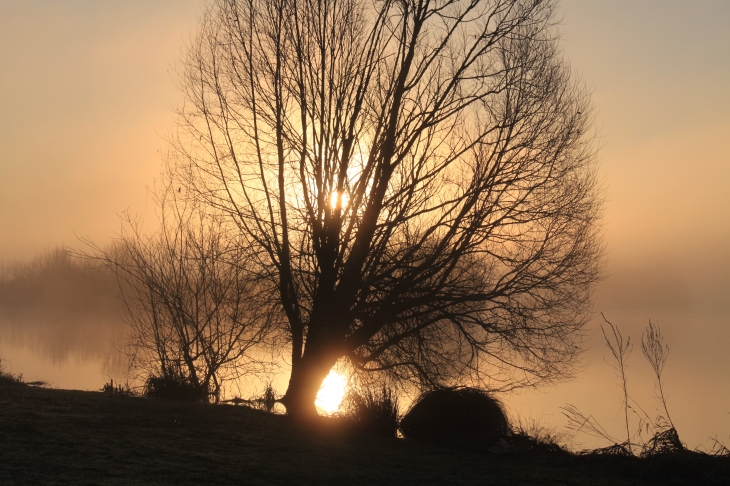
(306, 378)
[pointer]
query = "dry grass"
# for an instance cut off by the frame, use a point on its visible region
(372, 410)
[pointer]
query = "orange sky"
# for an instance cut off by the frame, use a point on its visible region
(86, 96)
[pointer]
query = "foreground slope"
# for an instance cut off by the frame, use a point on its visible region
(73, 437)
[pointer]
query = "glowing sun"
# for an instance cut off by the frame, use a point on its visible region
(331, 393)
(341, 198)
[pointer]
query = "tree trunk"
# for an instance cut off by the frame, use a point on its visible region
(306, 378)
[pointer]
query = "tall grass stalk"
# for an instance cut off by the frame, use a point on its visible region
(620, 351)
(656, 352)
(664, 438)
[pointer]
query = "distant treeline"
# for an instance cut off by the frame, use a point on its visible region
(55, 279)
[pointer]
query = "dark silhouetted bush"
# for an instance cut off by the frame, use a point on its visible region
(266, 401)
(7, 378)
(664, 442)
(117, 389)
(464, 415)
(174, 387)
(372, 411)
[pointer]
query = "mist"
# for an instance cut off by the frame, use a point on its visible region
(88, 95)
(57, 314)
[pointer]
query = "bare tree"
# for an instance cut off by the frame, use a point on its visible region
(187, 297)
(414, 179)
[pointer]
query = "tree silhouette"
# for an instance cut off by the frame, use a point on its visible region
(187, 298)
(414, 181)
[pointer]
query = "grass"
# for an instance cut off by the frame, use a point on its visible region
(52, 436)
(372, 410)
(663, 445)
(117, 388)
(9, 378)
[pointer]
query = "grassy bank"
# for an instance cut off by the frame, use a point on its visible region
(73, 437)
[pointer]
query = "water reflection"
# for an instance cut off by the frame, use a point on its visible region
(75, 352)
(60, 322)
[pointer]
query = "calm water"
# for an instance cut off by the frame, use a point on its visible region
(73, 353)
(696, 379)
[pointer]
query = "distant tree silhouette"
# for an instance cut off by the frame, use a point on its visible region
(187, 299)
(414, 181)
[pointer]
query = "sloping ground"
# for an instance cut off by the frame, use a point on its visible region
(73, 437)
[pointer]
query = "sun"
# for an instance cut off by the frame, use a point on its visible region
(342, 198)
(331, 393)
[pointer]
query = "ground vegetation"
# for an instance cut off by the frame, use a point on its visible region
(71, 437)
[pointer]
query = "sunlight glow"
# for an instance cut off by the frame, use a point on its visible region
(331, 393)
(344, 199)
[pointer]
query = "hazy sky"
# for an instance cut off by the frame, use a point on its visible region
(86, 97)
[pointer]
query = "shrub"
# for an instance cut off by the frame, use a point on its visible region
(663, 442)
(455, 415)
(175, 387)
(7, 378)
(117, 389)
(266, 401)
(372, 411)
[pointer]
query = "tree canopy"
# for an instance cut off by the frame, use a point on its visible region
(414, 181)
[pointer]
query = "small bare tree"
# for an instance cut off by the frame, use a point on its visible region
(413, 179)
(187, 296)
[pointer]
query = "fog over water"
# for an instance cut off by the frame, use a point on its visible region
(61, 322)
(87, 96)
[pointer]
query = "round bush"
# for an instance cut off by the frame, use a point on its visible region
(174, 388)
(455, 415)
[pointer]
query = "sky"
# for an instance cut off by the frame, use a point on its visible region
(87, 91)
